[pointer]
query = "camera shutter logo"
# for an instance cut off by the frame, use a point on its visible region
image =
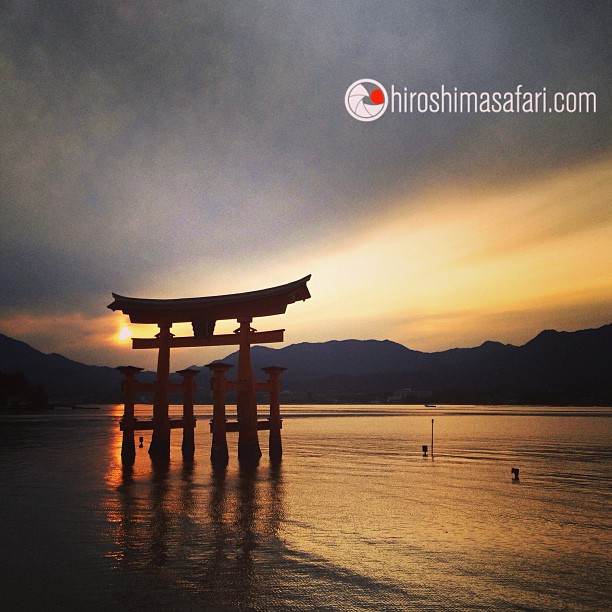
(366, 100)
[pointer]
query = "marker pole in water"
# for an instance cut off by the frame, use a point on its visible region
(432, 448)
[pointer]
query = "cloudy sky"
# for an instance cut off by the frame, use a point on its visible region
(174, 149)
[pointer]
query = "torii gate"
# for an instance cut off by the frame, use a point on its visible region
(203, 313)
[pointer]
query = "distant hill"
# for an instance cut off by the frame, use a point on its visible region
(61, 378)
(554, 368)
(310, 361)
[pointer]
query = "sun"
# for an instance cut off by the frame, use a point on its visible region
(124, 334)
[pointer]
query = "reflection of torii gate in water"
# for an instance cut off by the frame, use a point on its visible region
(203, 313)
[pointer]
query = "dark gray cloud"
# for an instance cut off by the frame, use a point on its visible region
(137, 136)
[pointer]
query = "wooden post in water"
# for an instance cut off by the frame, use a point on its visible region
(432, 440)
(218, 451)
(188, 446)
(128, 450)
(276, 423)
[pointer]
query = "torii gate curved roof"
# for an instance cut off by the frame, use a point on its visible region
(261, 303)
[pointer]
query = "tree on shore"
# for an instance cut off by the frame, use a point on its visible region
(17, 393)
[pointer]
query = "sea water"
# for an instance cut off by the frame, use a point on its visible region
(354, 518)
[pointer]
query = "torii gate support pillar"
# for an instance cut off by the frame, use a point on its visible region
(218, 452)
(275, 444)
(128, 450)
(188, 446)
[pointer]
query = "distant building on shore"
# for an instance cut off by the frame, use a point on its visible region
(407, 396)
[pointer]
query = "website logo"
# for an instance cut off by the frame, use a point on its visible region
(366, 100)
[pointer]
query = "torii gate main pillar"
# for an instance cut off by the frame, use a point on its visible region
(248, 441)
(160, 441)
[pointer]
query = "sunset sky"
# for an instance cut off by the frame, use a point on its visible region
(176, 149)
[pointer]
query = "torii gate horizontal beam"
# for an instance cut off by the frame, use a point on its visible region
(261, 303)
(276, 335)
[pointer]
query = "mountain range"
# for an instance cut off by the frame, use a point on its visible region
(555, 368)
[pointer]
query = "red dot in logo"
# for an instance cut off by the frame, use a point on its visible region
(377, 96)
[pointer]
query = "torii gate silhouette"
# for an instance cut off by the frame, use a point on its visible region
(203, 313)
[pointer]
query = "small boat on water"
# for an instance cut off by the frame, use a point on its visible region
(73, 407)
(431, 406)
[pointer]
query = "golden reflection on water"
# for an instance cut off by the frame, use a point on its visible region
(354, 518)
(354, 503)
(199, 524)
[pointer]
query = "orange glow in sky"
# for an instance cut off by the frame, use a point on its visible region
(470, 264)
(455, 267)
